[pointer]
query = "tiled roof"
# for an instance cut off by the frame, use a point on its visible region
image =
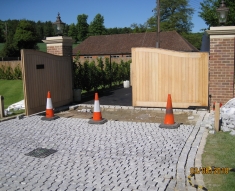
(122, 43)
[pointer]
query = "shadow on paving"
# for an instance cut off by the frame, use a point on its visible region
(121, 96)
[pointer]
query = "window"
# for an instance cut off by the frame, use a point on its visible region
(114, 56)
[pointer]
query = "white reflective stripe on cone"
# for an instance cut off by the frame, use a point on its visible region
(97, 106)
(49, 104)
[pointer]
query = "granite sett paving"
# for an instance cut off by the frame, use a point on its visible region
(114, 156)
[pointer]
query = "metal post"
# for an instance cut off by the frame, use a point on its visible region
(158, 24)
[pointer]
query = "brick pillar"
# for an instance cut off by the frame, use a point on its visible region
(59, 45)
(221, 64)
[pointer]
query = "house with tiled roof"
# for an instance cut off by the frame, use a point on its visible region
(119, 45)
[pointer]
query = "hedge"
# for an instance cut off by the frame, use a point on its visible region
(90, 76)
(7, 73)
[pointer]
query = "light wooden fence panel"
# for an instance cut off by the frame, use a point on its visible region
(13, 64)
(43, 72)
(155, 73)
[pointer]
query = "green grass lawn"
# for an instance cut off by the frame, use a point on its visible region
(42, 47)
(219, 151)
(12, 91)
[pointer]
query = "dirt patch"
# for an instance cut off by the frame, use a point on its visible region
(147, 116)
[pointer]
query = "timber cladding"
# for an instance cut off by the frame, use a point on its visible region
(155, 73)
(43, 72)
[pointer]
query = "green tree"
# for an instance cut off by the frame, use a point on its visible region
(194, 38)
(48, 29)
(126, 30)
(151, 24)
(40, 32)
(66, 30)
(10, 29)
(96, 27)
(25, 36)
(209, 14)
(138, 28)
(73, 32)
(82, 27)
(9, 50)
(2, 31)
(174, 15)
(116, 30)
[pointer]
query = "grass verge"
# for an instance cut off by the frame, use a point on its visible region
(12, 91)
(219, 151)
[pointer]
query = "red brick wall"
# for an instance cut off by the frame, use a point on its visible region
(60, 50)
(221, 68)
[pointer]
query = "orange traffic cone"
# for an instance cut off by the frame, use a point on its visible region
(97, 117)
(49, 109)
(169, 121)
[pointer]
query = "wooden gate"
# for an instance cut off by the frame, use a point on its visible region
(155, 73)
(43, 72)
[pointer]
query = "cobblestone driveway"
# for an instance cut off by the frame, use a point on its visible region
(117, 156)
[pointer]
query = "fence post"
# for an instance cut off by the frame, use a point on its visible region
(1, 106)
(217, 116)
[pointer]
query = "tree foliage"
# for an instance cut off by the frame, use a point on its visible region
(209, 14)
(174, 15)
(25, 36)
(97, 27)
(2, 31)
(82, 27)
(87, 73)
(48, 29)
(73, 32)
(116, 30)
(194, 38)
(138, 28)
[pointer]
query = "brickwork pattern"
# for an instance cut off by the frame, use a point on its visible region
(60, 50)
(221, 67)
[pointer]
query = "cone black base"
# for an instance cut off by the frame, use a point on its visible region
(174, 126)
(49, 119)
(102, 121)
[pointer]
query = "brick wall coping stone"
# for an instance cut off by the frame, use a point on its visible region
(61, 40)
(224, 30)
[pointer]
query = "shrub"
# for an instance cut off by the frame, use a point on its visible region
(108, 73)
(101, 71)
(93, 76)
(2, 72)
(17, 73)
(88, 76)
(7, 73)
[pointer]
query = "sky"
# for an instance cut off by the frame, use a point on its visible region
(116, 13)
